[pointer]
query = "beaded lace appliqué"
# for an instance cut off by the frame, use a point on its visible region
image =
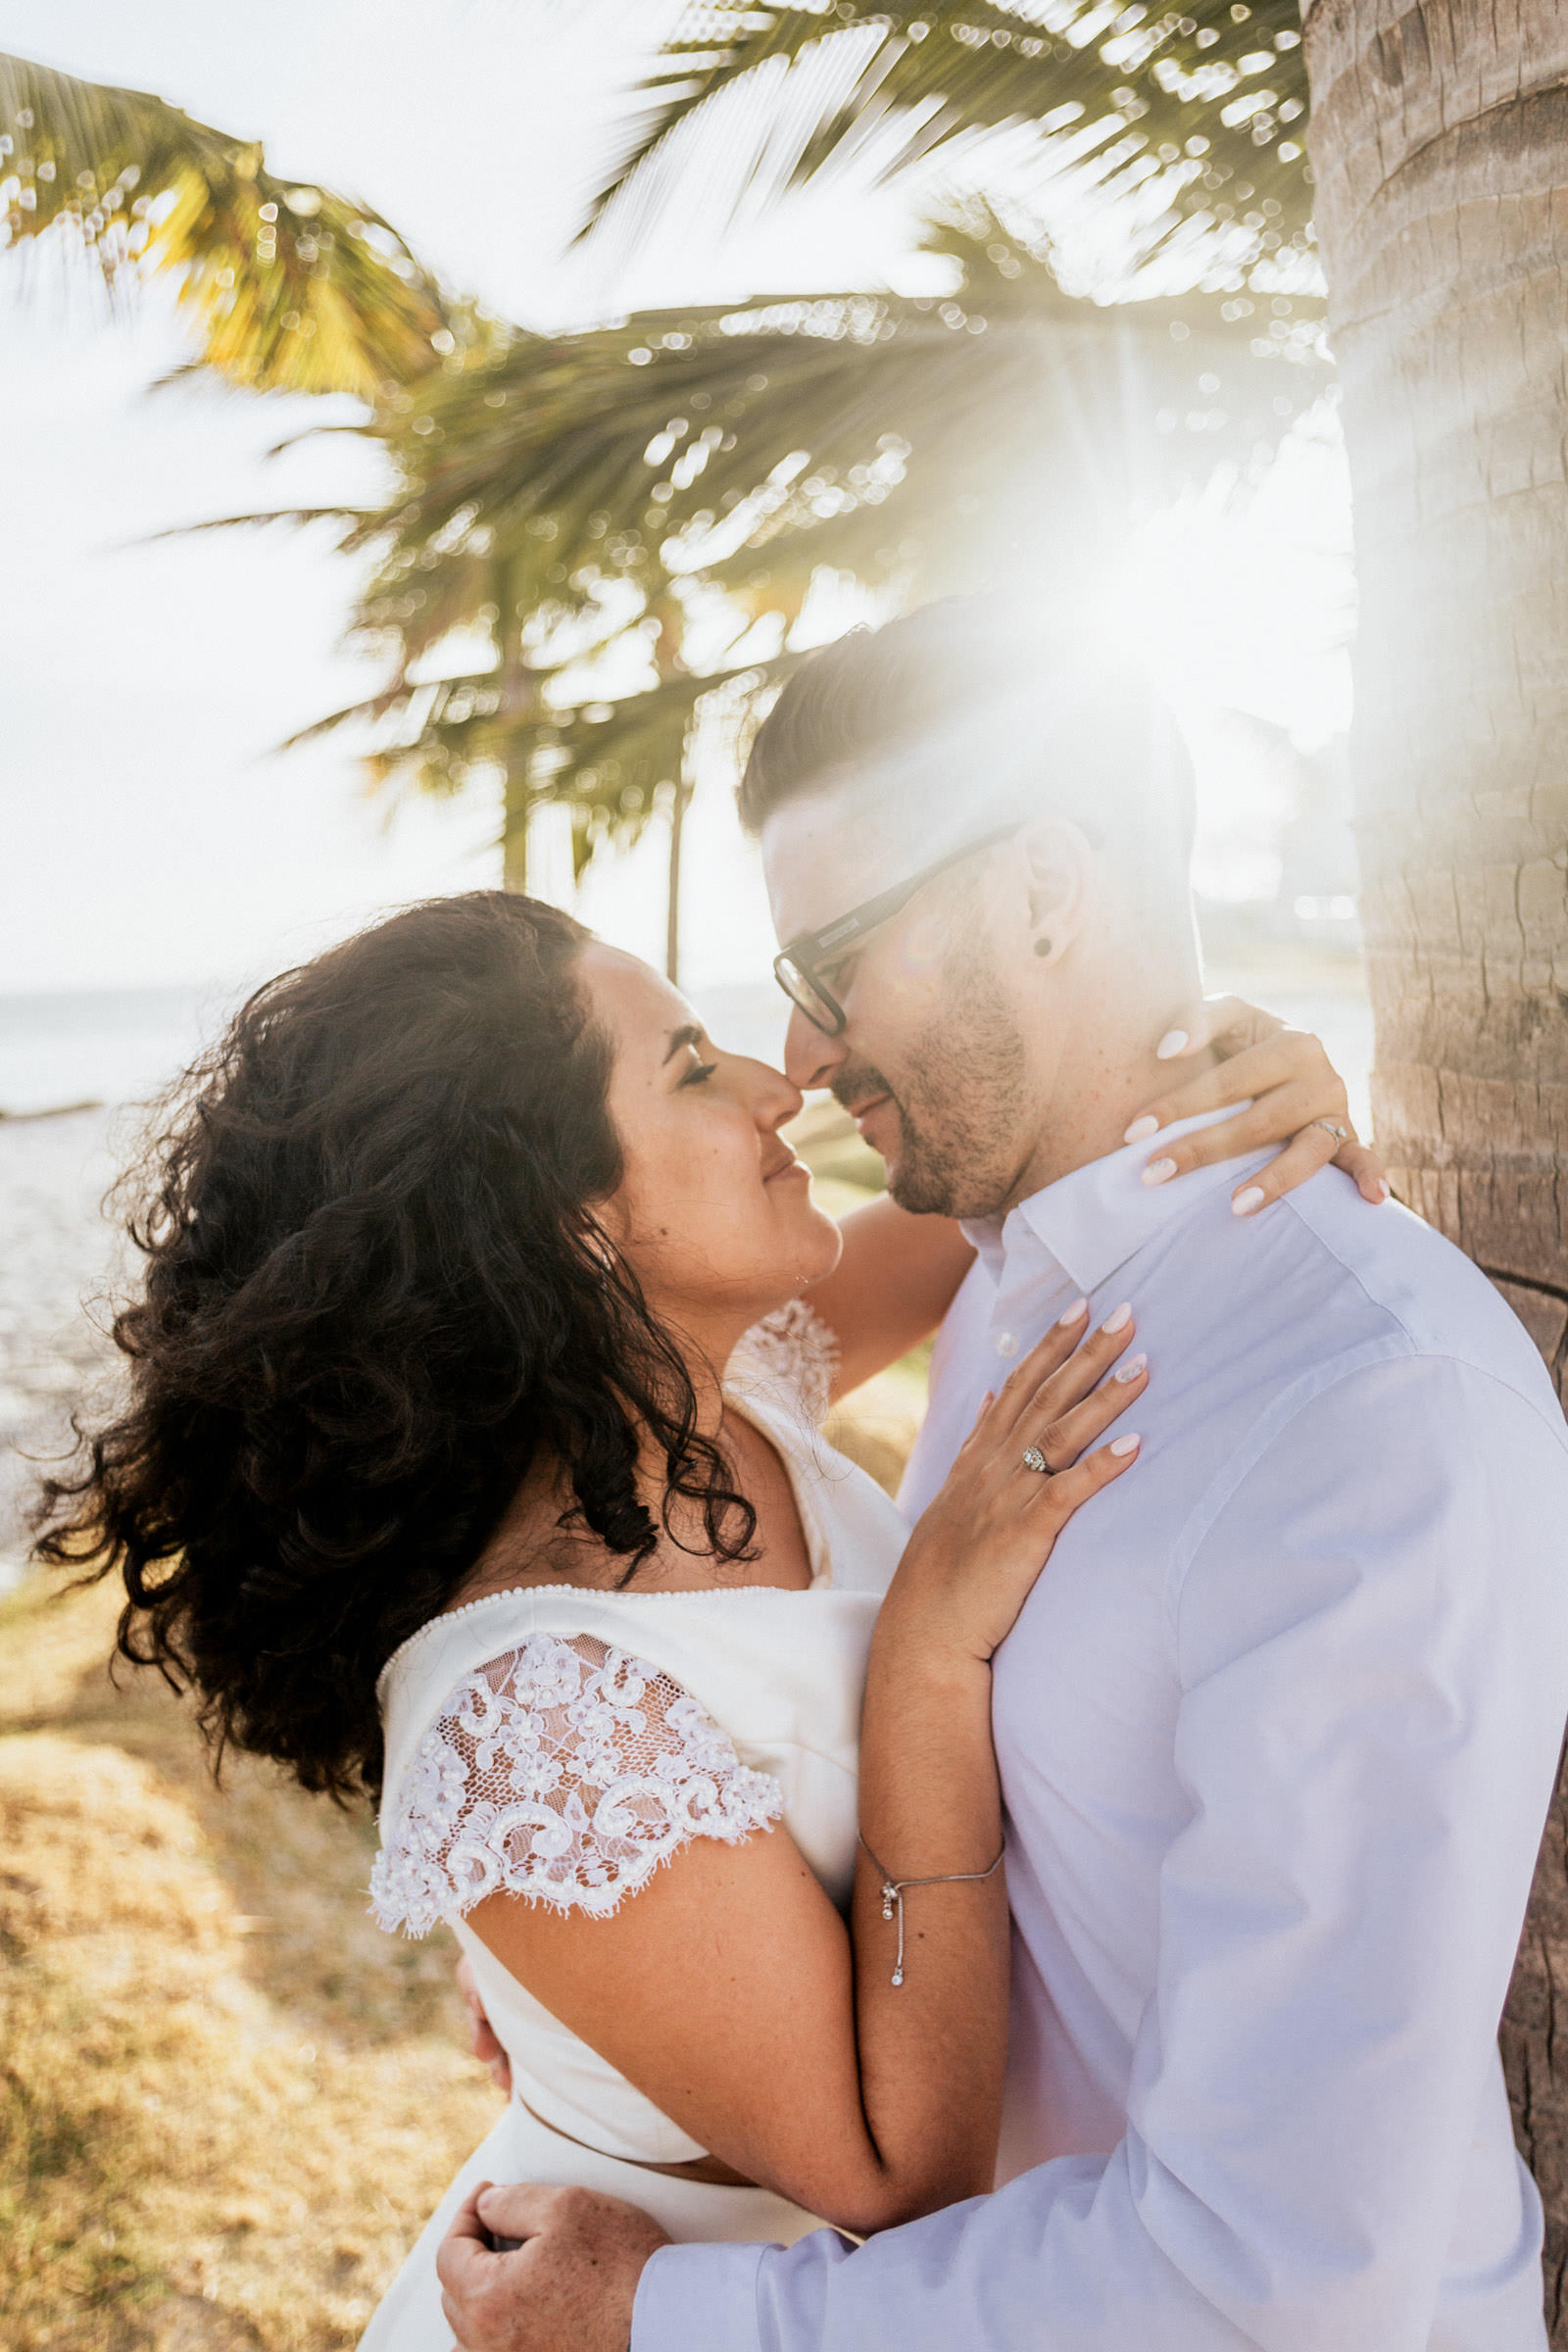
(564, 1771)
(791, 1351)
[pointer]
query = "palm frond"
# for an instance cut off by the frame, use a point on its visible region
(289, 287)
(558, 499)
(615, 764)
(1207, 108)
(681, 441)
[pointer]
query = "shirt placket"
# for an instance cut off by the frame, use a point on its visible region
(1035, 1288)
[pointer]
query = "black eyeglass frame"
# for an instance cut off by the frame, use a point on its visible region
(802, 955)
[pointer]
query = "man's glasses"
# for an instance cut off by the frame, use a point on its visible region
(799, 967)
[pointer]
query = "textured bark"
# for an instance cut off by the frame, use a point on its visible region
(1440, 142)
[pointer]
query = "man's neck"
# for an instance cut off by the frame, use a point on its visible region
(1107, 1077)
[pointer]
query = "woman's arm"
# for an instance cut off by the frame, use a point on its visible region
(891, 1288)
(899, 1273)
(728, 1988)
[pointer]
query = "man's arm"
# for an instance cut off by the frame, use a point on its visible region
(1373, 1639)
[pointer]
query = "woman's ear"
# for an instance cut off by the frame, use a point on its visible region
(1058, 861)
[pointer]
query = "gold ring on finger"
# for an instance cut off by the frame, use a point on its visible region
(1034, 1459)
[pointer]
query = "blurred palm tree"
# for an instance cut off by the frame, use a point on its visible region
(605, 527)
(595, 544)
(287, 287)
(590, 536)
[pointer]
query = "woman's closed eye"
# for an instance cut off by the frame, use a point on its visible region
(698, 1073)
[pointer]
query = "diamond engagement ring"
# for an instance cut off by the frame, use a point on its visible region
(1340, 1135)
(1034, 1459)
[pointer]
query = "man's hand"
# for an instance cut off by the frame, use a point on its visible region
(482, 2033)
(570, 2287)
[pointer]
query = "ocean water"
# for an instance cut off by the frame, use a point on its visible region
(62, 1260)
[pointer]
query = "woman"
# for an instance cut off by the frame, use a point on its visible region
(470, 1457)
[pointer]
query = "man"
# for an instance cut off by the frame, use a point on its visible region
(1277, 1727)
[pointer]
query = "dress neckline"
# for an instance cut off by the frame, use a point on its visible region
(816, 1549)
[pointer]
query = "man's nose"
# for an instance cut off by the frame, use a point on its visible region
(810, 1058)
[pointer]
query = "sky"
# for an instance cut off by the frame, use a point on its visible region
(150, 830)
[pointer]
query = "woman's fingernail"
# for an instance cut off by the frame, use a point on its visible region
(1119, 1318)
(1142, 1129)
(1171, 1042)
(1159, 1171)
(1125, 1445)
(1247, 1204)
(1079, 1306)
(1380, 1193)
(1131, 1369)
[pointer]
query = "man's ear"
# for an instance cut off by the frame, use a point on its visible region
(1057, 864)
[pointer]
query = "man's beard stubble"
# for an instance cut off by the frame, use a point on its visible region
(962, 1106)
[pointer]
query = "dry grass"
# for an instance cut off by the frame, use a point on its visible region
(227, 2103)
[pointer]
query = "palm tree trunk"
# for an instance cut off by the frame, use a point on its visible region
(677, 828)
(517, 702)
(1440, 143)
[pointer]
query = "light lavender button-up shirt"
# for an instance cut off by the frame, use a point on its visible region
(1277, 1730)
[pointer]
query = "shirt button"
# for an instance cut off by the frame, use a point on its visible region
(1006, 1342)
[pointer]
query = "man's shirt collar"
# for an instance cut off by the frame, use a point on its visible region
(1095, 1217)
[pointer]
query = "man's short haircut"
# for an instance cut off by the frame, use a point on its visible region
(973, 712)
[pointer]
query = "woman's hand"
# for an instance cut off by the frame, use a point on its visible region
(483, 2040)
(975, 1552)
(1294, 1088)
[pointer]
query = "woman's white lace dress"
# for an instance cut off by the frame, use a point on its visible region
(561, 1744)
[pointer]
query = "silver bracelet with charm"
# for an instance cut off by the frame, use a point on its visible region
(894, 1890)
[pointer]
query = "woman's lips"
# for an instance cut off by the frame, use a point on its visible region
(787, 1167)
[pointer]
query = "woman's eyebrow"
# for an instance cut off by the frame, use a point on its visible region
(690, 1035)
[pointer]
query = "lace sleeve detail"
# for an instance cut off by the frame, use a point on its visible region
(565, 1771)
(791, 1349)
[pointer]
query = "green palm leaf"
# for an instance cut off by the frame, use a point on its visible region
(1208, 104)
(289, 287)
(559, 496)
(686, 442)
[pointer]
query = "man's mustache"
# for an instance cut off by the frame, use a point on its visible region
(857, 1083)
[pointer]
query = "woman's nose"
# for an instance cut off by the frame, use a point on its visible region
(777, 1099)
(810, 1058)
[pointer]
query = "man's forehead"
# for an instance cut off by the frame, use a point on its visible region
(866, 827)
(829, 851)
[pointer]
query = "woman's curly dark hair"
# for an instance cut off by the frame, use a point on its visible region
(374, 1292)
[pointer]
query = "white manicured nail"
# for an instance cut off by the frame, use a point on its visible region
(1079, 1306)
(1131, 1368)
(1247, 1204)
(1142, 1129)
(1123, 1447)
(1119, 1318)
(1171, 1042)
(1159, 1171)
(1384, 1193)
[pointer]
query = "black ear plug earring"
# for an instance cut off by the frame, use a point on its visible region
(1042, 947)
